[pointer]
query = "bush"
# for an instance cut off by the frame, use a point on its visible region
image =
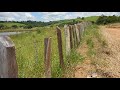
(38, 31)
(1, 26)
(107, 19)
(28, 27)
(14, 26)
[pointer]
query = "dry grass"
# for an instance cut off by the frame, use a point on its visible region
(106, 61)
(112, 57)
(115, 25)
(91, 42)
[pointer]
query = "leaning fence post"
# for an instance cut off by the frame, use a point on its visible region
(59, 39)
(74, 39)
(67, 39)
(8, 63)
(71, 35)
(47, 55)
(77, 34)
(79, 27)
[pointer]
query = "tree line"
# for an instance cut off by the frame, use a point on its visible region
(107, 19)
(31, 24)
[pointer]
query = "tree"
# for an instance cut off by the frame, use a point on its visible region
(82, 18)
(102, 20)
(107, 19)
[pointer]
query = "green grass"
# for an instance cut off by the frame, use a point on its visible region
(9, 24)
(74, 57)
(31, 63)
(30, 56)
(92, 18)
(92, 37)
(27, 56)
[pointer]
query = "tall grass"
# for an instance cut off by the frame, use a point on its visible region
(93, 39)
(30, 52)
(26, 52)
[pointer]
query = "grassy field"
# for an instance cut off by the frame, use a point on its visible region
(30, 55)
(92, 18)
(9, 24)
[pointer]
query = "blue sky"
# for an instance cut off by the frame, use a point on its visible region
(49, 16)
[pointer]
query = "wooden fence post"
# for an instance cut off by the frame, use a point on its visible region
(59, 39)
(71, 36)
(67, 39)
(8, 63)
(82, 29)
(47, 55)
(77, 35)
(74, 36)
(79, 28)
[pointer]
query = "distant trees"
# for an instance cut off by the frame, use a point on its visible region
(78, 17)
(108, 19)
(68, 23)
(82, 18)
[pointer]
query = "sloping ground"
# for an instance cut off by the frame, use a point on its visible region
(85, 69)
(112, 36)
(106, 63)
(115, 25)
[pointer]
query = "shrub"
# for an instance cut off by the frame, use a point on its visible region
(108, 19)
(28, 27)
(14, 26)
(1, 26)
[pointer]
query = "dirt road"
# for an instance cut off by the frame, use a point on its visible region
(107, 64)
(112, 36)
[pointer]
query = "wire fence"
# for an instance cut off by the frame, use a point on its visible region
(36, 58)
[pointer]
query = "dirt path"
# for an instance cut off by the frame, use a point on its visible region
(107, 64)
(85, 69)
(112, 36)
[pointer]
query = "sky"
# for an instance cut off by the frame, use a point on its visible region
(49, 16)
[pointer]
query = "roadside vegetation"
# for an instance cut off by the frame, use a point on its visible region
(30, 45)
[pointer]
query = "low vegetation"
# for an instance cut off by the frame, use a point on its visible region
(30, 46)
(30, 53)
(21, 25)
(107, 19)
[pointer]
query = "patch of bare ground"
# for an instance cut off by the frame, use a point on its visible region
(115, 25)
(111, 54)
(84, 69)
(106, 63)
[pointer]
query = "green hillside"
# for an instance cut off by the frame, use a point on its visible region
(5, 25)
(92, 18)
(10, 24)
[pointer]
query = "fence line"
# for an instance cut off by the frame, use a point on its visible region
(73, 36)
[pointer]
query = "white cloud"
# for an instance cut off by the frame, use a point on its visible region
(16, 16)
(51, 16)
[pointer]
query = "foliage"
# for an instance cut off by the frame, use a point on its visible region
(2, 26)
(108, 19)
(14, 26)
